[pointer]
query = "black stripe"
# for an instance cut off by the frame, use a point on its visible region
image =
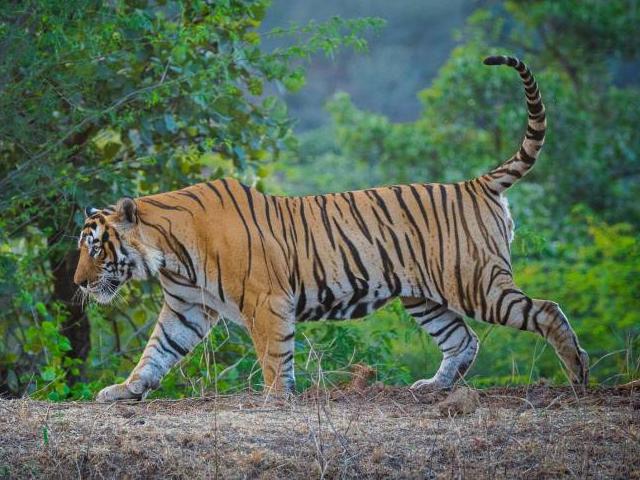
(173, 295)
(362, 225)
(220, 289)
(390, 276)
(443, 200)
(321, 201)
(249, 193)
(302, 300)
(166, 349)
(183, 320)
(525, 157)
(244, 222)
(535, 108)
(192, 196)
(177, 247)
(353, 250)
(164, 206)
(414, 191)
(457, 267)
(305, 226)
(383, 206)
(534, 134)
(454, 326)
(440, 232)
(172, 277)
(172, 343)
(287, 337)
(213, 188)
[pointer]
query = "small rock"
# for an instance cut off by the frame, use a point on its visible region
(360, 375)
(378, 386)
(631, 385)
(461, 401)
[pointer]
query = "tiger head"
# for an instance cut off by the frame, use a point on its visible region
(112, 252)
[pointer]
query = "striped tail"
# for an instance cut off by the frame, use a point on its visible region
(502, 177)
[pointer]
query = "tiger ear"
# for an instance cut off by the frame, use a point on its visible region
(88, 211)
(127, 211)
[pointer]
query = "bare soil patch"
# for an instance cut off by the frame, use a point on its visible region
(370, 432)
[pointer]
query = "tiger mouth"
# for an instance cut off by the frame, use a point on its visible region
(104, 291)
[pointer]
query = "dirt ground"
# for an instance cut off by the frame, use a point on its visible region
(371, 432)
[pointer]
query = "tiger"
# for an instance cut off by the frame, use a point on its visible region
(222, 249)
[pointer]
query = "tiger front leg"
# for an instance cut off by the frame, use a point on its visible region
(273, 338)
(173, 337)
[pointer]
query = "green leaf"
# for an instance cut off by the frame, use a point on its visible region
(170, 123)
(48, 374)
(41, 309)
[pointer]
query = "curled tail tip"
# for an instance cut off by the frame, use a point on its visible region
(500, 60)
(495, 60)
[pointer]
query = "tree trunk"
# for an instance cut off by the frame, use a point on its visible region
(76, 328)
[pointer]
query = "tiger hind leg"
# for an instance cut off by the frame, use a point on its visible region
(457, 342)
(509, 306)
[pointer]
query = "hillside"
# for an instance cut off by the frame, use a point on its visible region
(402, 58)
(537, 432)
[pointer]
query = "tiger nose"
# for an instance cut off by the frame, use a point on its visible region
(82, 283)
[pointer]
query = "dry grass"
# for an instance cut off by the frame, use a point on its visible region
(539, 432)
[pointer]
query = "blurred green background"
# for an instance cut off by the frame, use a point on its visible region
(103, 99)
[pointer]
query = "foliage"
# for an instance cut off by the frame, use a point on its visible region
(102, 99)
(149, 95)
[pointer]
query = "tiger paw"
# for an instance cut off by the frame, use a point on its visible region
(116, 392)
(430, 385)
(580, 370)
